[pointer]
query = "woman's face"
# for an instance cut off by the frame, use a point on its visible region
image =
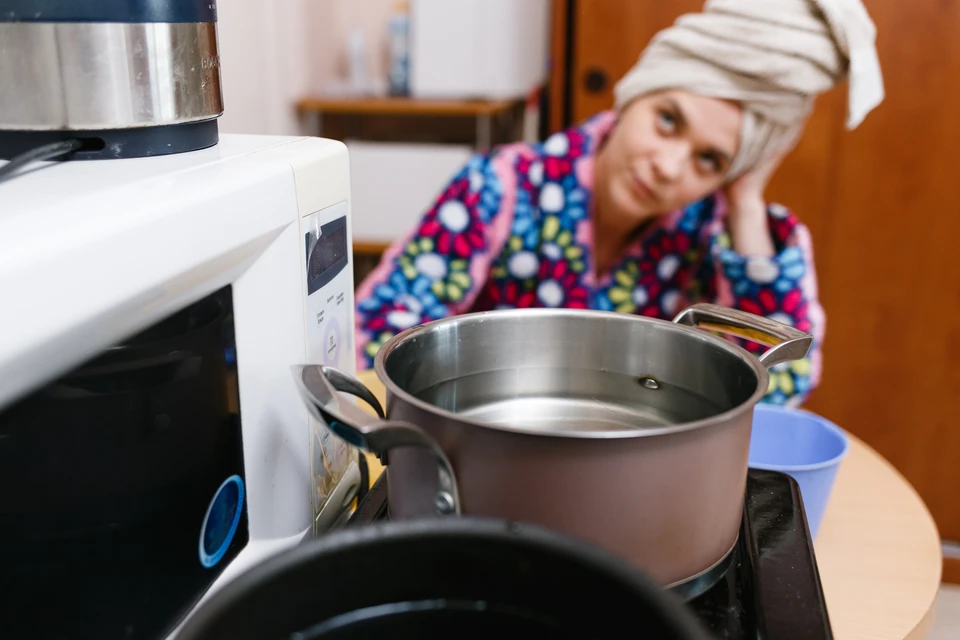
(667, 150)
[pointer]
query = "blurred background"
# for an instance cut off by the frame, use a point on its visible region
(415, 87)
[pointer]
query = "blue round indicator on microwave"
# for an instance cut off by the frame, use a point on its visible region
(221, 521)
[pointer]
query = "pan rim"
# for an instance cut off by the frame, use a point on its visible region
(718, 419)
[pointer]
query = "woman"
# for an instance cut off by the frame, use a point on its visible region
(654, 205)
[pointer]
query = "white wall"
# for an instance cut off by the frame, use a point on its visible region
(330, 21)
(274, 52)
(394, 184)
(264, 64)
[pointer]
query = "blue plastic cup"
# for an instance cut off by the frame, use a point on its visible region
(805, 446)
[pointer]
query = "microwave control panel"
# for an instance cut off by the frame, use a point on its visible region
(329, 329)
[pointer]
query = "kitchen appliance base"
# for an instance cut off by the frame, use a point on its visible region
(115, 144)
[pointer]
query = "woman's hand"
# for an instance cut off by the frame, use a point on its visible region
(747, 209)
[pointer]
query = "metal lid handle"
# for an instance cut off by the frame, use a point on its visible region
(319, 388)
(786, 343)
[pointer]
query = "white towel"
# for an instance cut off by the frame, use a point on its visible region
(771, 56)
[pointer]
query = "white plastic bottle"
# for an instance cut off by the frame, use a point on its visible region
(357, 57)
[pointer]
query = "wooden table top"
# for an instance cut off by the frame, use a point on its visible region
(878, 549)
(399, 106)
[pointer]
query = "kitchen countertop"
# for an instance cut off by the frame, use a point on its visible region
(878, 550)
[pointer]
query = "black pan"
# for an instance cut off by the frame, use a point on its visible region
(441, 578)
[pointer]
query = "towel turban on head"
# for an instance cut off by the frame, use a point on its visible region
(771, 56)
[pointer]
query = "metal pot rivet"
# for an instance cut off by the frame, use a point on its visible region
(649, 383)
(444, 503)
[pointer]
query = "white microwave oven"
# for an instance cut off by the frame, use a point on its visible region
(152, 442)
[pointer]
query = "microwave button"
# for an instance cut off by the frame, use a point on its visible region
(331, 342)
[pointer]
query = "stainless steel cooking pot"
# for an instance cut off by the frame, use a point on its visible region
(628, 432)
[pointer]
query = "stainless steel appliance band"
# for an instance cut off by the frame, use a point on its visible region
(80, 76)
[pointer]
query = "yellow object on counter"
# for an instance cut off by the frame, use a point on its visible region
(369, 378)
(373, 463)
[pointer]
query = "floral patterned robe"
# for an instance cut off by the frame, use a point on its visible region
(513, 229)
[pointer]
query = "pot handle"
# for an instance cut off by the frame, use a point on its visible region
(785, 342)
(319, 388)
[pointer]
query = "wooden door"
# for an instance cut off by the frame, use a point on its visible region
(883, 206)
(608, 36)
(886, 243)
